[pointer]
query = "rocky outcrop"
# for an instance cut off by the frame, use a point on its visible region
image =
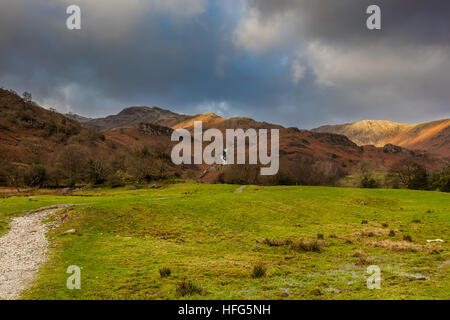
(154, 129)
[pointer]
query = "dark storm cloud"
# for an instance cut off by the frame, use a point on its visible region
(299, 63)
(399, 73)
(341, 21)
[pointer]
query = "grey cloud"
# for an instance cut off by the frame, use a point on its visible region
(189, 59)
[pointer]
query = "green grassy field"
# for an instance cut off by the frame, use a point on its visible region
(213, 237)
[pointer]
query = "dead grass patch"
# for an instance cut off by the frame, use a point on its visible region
(396, 246)
(374, 232)
(276, 243)
(299, 246)
(307, 246)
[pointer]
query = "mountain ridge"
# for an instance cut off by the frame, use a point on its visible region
(132, 116)
(433, 136)
(139, 144)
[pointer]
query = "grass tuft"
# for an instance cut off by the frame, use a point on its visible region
(259, 271)
(188, 288)
(408, 238)
(164, 272)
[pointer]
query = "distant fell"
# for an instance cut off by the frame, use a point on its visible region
(428, 136)
(133, 116)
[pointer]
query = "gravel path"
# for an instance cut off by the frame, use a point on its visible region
(22, 250)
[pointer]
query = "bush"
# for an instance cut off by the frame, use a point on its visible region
(114, 181)
(259, 271)
(369, 183)
(188, 288)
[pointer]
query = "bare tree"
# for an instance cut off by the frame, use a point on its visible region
(27, 97)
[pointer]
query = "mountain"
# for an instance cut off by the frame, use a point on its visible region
(428, 136)
(304, 147)
(132, 116)
(77, 118)
(306, 155)
(136, 144)
(36, 142)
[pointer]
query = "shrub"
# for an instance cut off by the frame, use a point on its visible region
(370, 183)
(188, 288)
(164, 272)
(259, 271)
(392, 233)
(114, 181)
(364, 222)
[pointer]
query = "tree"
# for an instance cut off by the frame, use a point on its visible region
(27, 97)
(366, 168)
(410, 173)
(69, 164)
(441, 179)
(34, 175)
(96, 172)
(12, 176)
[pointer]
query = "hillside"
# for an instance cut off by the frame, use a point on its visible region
(429, 136)
(42, 147)
(309, 156)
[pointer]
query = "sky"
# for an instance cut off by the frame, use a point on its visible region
(301, 63)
